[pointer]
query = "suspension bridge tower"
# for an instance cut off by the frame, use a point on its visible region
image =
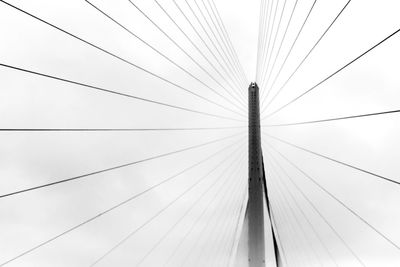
(255, 207)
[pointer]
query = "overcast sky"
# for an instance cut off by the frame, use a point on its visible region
(29, 159)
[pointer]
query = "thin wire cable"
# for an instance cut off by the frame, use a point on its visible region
(261, 18)
(218, 235)
(192, 59)
(335, 160)
(191, 207)
(137, 229)
(266, 33)
(115, 206)
(240, 88)
(271, 34)
(281, 42)
(292, 46)
(265, 71)
(225, 51)
(201, 233)
(299, 208)
(226, 79)
(227, 234)
(334, 119)
(297, 242)
(230, 245)
(117, 129)
(227, 189)
(343, 205)
(279, 250)
(105, 90)
(206, 260)
(314, 207)
(277, 258)
(275, 211)
(223, 184)
(307, 55)
(275, 229)
(216, 40)
(214, 21)
(334, 73)
(278, 52)
(113, 168)
(298, 223)
(113, 55)
(229, 41)
(261, 35)
(296, 247)
(165, 56)
(220, 241)
(213, 235)
(232, 251)
(277, 207)
(234, 74)
(237, 183)
(225, 70)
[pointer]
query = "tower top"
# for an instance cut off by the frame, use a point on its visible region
(253, 86)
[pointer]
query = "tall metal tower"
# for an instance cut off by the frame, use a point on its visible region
(255, 208)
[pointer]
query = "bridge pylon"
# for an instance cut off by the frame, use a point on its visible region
(255, 207)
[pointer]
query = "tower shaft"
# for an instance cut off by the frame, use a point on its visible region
(255, 208)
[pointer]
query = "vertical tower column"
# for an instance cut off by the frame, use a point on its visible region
(255, 208)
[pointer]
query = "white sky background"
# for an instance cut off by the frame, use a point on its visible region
(29, 159)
